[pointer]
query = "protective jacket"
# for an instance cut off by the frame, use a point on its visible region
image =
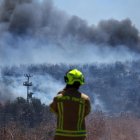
(71, 108)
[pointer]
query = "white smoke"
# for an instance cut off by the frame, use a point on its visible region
(98, 104)
(44, 88)
(36, 51)
(5, 93)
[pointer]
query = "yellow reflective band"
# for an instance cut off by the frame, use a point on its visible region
(60, 112)
(62, 120)
(78, 100)
(70, 133)
(59, 115)
(81, 116)
(74, 99)
(62, 98)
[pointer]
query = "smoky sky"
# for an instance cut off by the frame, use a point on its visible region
(30, 29)
(33, 31)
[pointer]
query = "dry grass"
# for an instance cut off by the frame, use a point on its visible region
(122, 127)
(100, 127)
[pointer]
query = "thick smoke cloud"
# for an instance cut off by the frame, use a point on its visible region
(111, 32)
(30, 16)
(32, 30)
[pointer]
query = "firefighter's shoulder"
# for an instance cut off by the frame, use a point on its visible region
(59, 95)
(84, 96)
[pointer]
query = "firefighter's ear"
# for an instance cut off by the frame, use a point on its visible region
(66, 79)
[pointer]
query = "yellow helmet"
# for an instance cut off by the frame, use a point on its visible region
(74, 76)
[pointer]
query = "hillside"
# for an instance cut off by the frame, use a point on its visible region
(113, 88)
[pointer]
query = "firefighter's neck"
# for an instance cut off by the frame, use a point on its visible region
(76, 87)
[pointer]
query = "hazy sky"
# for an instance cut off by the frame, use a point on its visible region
(95, 10)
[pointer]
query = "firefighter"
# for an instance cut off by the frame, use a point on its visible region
(71, 107)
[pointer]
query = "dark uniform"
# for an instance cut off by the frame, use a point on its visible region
(71, 108)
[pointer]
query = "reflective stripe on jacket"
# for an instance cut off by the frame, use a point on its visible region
(71, 108)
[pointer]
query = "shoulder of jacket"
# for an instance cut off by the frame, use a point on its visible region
(60, 92)
(59, 95)
(84, 96)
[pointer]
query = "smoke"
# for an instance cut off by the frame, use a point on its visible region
(36, 32)
(33, 31)
(43, 87)
(5, 93)
(8, 88)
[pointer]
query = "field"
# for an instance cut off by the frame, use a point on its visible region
(100, 127)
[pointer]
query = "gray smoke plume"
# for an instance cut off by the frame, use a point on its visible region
(36, 32)
(111, 32)
(32, 30)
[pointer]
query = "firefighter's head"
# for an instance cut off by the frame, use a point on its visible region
(74, 77)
